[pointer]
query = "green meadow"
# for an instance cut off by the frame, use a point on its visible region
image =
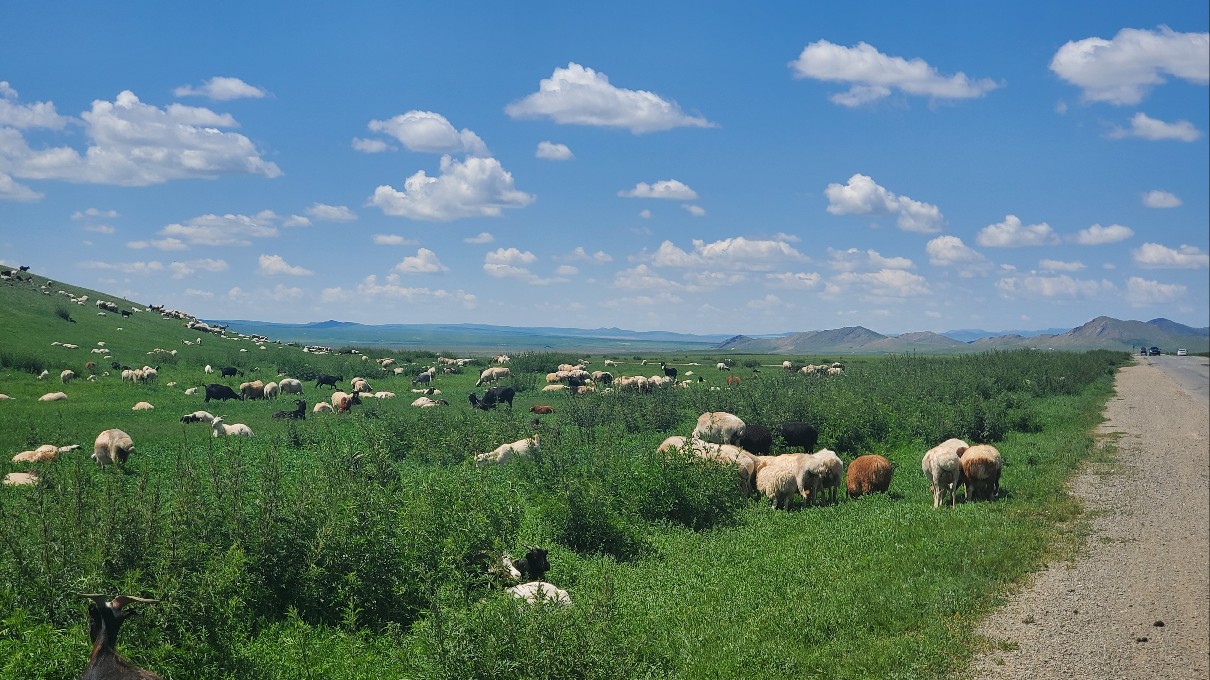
(350, 545)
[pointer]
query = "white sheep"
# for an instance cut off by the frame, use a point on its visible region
(722, 367)
(493, 374)
(21, 478)
(384, 395)
(521, 448)
(143, 406)
(780, 478)
(198, 417)
(112, 446)
(323, 407)
(942, 466)
(43, 453)
(191, 391)
(53, 396)
(719, 427)
(540, 591)
(826, 471)
(272, 389)
(209, 368)
(44, 375)
(67, 376)
(221, 429)
(290, 386)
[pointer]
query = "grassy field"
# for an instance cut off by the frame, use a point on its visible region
(346, 546)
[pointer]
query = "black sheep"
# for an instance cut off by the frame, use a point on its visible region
(221, 392)
(756, 439)
(329, 380)
(800, 435)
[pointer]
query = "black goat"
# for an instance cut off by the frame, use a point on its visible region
(230, 371)
(105, 619)
(669, 372)
(533, 566)
(24, 268)
(221, 393)
(492, 397)
(299, 413)
(329, 380)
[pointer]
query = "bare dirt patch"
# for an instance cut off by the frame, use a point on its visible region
(1135, 603)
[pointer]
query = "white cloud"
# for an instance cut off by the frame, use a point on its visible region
(581, 96)
(695, 210)
(863, 196)
(769, 301)
(26, 116)
(1156, 256)
(566, 270)
(94, 212)
(510, 256)
(480, 187)
(1062, 286)
(223, 230)
(1097, 235)
(854, 259)
(203, 294)
(794, 280)
(181, 270)
(296, 221)
(424, 261)
(1124, 69)
(221, 89)
(553, 152)
(370, 145)
(100, 228)
(1145, 127)
(645, 214)
(276, 265)
(159, 244)
(1012, 234)
(392, 240)
(1060, 266)
(479, 239)
(136, 144)
(279, 293)
(124, 267)
(331, 213)
(1161, 199)
(666, 188)
(873, 75)
(1140, 292)
(883, 284)
(429, 132)
(737, 253)
(945, 251)
(12, 190)
(391, 290)
(642, 277)
(581, 254)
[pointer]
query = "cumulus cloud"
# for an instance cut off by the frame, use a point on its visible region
(424, 261)
(100, 228)
(221, 88)
(581, 254)
(223, 230)
(946, 251)
(642, 277)
(882, 284)
(1012, 234)
(1060, 266)
(794, 280)
(1161, 199)
(276, 265)
(578, 95)
(94, 213)
(667, 188)
(737, 253)
(510, 256)
(178, 269)
(863, 196)
(1124, 69)
(330, 213)
(566, 270)
(429, 132)
(1034, 285)
(553, 152)
(1141, 292)
(695, 210)
(1145, 127)
(390, 289)
(369, 145)
(159, 244)
(27, 116)
(873, 75)
(1156, 256)
(1097, 235)
(136, 144)
(392, 240)
(12, 190)
(854, 259)
(769, 301)
(279, 293)
(185, 269)
(479, 239)
(479, 187)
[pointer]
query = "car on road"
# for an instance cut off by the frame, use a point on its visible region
(1182, 352)
(1154, 351)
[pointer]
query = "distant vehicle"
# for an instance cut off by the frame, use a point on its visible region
(1154, 351)
(1142, 351)
(1182, 353)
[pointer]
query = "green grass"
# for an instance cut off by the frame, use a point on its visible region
(345, 546)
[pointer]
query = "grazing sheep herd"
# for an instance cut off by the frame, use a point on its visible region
(799, 471)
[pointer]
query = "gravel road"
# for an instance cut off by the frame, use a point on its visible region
(1136, 602)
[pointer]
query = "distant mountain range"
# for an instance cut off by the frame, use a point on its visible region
(1101, 333)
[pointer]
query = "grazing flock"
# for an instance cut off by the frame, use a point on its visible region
(800, 474)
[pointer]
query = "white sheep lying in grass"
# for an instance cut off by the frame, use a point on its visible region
(53, 396)
(112, 446)
(539, 591)
(143, 406)
(43, 453)
(21, 478)
(323, 407)
(521, 448)
(221, 429)
(198, 417)
(719, 427)
(942, 466)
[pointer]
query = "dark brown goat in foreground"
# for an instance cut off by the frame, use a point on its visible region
(105, 619)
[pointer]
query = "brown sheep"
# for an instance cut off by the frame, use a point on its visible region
(868, 474)
(541, 409)
(981, 465)
(252, 390)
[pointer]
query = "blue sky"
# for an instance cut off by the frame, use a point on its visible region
(695, 167)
